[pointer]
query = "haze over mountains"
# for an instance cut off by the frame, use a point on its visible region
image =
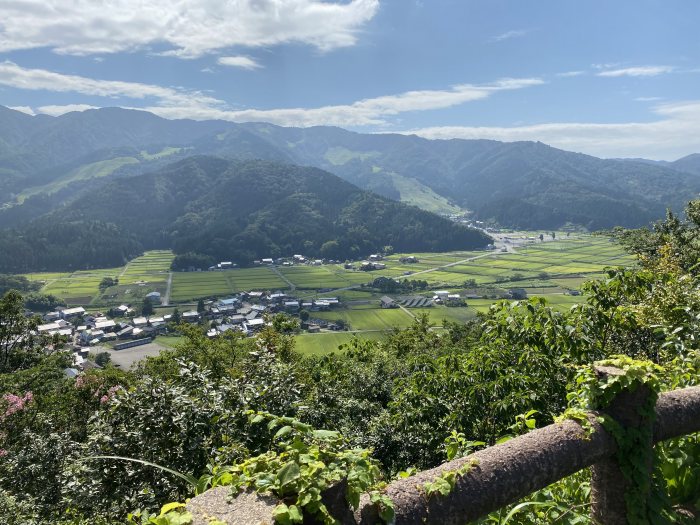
(47, 162)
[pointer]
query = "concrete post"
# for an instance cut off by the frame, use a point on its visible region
(608, 483)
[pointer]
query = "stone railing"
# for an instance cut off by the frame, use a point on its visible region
(502, 474)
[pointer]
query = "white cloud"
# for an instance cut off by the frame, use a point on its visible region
(18, 77)
(56, 111)
(179, 103)
(239, 61)
(189, 28)
(648, 99)
(640, 71)
(672, 135)
(516, 33)
(23, 109)
(568, 74)
(367, 112)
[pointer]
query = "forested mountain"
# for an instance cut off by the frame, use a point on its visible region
(230, 210)
(690, 164)
(520, 184)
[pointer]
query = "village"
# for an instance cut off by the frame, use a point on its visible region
(124, 327)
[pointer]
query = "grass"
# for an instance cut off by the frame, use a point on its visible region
(169, 341)
(413, 192)
(369, 318)
(339, 155)
(328, 342)
(165, 152)
(94, 170)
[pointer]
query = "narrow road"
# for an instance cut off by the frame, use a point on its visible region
(124, 270)
(292, 286)
(407, 311)
(166, 298)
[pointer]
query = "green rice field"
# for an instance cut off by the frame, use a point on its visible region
(547, 269)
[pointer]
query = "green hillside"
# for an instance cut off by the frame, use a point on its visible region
(228, 210)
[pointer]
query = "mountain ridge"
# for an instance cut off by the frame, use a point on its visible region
(493, 179)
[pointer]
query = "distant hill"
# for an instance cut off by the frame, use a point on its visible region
(46, 162)
(690, 164)
(229, 210)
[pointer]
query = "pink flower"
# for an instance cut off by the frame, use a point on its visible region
(3, 452)
(15, 403)
(110, 394)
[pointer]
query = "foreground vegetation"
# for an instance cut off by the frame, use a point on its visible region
(208, 409)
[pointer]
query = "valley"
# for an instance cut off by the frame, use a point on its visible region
(553, 269)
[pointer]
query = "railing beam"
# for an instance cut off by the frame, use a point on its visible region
(506, 473)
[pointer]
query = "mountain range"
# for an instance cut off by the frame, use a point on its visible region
(49, 162)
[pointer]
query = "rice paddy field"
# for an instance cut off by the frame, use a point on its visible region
(548, 269)
(188, 286)
(326, 343)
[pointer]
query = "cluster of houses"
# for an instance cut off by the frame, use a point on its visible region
(373, 262)
(242, 313)
(88, 329)
(296, 259)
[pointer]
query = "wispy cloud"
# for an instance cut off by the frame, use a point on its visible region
(243, 62)
(568, 74)
(515, 33)
(19, 77)
(367, 112)
(639, 71)
(173, 102)
(672, 135)
(648, 99)
(23, 109)
(60, 110)
(190, 28)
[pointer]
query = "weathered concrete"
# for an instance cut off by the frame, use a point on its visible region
(677, 413)
(608, 482)
(248, 508)
(501, 474)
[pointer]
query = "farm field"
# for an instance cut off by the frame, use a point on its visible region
(368, 318)
(328, 342)
(548, 269)
(77, 288)
(188, 286)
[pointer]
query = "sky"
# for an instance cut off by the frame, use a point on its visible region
(609, 78)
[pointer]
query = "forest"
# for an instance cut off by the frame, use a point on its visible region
(226, 210)
(114, 446)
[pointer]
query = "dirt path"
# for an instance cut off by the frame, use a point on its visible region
(166, 299)
(279, 274)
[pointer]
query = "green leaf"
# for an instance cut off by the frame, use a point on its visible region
(295, 514)
(281, 514)
(288, 474)
(283, 432)
(171, 506)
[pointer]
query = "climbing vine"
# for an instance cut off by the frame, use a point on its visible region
(302, 464)
(634, 455)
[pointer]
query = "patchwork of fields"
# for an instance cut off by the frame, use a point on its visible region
(548, 269)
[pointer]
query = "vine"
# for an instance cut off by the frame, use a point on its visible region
(306, 463)
(634, 455)
(445, 482)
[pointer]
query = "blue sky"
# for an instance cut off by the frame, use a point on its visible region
(610, 78)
